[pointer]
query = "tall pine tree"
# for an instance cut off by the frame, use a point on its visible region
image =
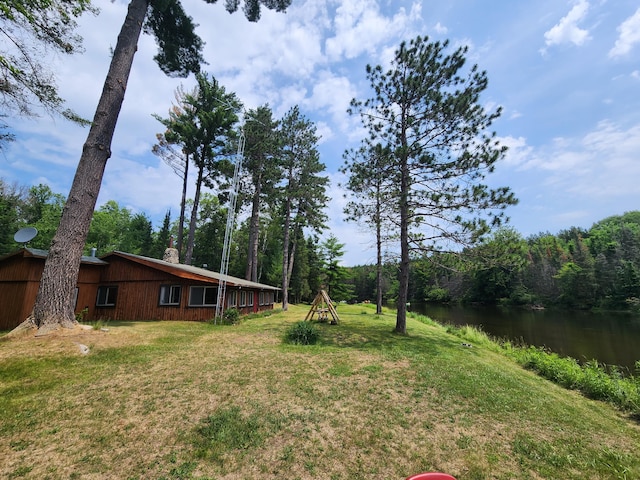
(178, 54)
(426, 110)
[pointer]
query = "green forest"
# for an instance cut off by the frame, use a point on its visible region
(579, 268)
(575, 268)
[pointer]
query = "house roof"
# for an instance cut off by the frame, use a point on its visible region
(189, 271)
(38, 253)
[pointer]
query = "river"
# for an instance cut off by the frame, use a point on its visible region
(610, 338)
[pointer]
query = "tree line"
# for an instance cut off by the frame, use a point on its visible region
(114, 227)
(576, 268)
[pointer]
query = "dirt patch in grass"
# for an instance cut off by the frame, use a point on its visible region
(67, 341)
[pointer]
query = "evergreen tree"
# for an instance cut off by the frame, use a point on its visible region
(179, 54)
(162, 237)
(428, 113)
(180, 132)
(138, 237)
(30, 30)
(260, 163)
(303, 194)
(369, 176)
(335, 276)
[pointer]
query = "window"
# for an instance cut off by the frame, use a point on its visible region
(233, 298)
(203, 296)
(250, 299)
(261, 299)
(170, 294)
(243, 298)
(107, 296)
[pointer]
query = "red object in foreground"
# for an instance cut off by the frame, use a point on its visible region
(431, 476)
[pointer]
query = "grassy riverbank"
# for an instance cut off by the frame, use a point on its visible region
(179, 400)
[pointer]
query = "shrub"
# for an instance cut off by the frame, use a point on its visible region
(231, 316)
(303, 333)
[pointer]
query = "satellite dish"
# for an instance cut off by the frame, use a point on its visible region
(24, 235)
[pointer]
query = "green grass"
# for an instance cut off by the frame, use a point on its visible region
(593, 379)
(180, 400)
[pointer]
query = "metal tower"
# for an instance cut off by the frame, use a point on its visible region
(231, 220)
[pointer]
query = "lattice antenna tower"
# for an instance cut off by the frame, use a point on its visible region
(231, 220)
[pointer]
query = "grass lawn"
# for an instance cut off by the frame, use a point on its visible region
(179, 400)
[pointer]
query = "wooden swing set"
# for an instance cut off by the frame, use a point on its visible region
(323, 306)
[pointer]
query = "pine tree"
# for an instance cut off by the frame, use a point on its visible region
(426, 110)
(178, 54)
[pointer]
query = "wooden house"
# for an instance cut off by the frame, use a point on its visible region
(20, 274)
(123, 286)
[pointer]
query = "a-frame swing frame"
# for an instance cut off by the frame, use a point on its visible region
(323, 306)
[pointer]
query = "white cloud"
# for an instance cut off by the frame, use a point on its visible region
(149, 189)
(602, 163)
(629, 35)
(331, 97)
(440, 29)
(360, 27)
(518, 152)
(567, 30)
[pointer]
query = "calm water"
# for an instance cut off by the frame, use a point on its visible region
(613, 339)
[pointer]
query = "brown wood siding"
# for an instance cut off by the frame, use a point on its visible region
(139, 295)
(137, 298)
(88, 280)
(19, 283)
(13, 307)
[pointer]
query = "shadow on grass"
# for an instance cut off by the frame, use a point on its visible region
(376, 333)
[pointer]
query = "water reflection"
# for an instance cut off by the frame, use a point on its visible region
(610, 338)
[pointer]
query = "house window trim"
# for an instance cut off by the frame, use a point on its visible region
(205, 287)
(232, 299)
(171, 287)
(243, 298)
(251, 300)
(102, 288)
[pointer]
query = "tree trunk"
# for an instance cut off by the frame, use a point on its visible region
(54, 302)
(183, 204)
(292, 257)
(254, 237)
(194, 218)
(378, 260)
(285, 257)
(403, 293)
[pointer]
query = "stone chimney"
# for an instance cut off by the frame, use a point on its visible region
(171, 254)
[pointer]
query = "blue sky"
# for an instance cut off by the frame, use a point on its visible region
(566, 73)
